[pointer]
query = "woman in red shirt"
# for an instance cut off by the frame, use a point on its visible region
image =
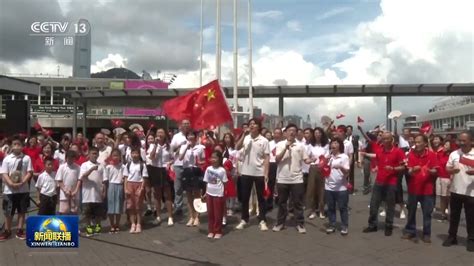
(81, 158)
(32, 149)
(38, 167)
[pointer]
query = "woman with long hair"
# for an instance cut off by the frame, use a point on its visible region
(319, 146)
(193, 157)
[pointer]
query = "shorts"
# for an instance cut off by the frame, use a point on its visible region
(135, 198)
(19, 202)
(47, 205)
(192, 178)
(115, 199)
(442, 186)
(93, 210)
(158, 177)
(69, 206)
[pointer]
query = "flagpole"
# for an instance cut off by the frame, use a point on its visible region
(218, 40)
(250, 56)
(200, 48)
(236, 81)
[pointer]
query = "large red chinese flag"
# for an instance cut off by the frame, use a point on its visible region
(204, 107)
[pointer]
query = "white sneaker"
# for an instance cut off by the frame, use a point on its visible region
(402, 215)
(158, 220)
(263, 226)
(322, 216)
(312, 216)
(278, 228)
(224, 221)
(383, 213)
(170, 221)
(447, 212)
(344, 231)
(301, 229)
(241, 225)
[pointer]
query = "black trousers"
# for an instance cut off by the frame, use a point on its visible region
(457, 202)
(47, 205)
(271, 182)
(246, 183)
(382, 193)
(296, 193)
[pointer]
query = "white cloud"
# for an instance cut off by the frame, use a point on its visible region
(37, 67)
(333, 12)
(293, 25)
(112, 61)
(400, 46)
(270, 14)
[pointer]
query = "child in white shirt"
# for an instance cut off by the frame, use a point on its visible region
(93, 192)
(215, 177)
(134, 174)
(114, 176)
(46, 186)
(68, 182)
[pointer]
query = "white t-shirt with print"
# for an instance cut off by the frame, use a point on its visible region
(290, 168)
(9, 165)
(69, 175)
(253, 155)
(461, 183)
(93, 184)
(336, 180)
(215, 179)
(114, 173)
(135, 172)
(46, 184)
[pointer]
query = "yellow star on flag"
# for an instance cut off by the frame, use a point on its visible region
(210, 95)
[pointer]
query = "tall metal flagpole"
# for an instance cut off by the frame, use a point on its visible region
(236, 81)
(218, 41)
(250, 56)
(200, 48)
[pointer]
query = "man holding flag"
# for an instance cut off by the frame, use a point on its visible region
(202, 108)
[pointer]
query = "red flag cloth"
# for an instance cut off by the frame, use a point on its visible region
(267, 193)
(37, 126)
(117, 123)
(339, 116)
(360, 120)
(204, 107)
(324, 166)
(425, 128)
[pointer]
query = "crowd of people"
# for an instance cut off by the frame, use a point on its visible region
(308, 173)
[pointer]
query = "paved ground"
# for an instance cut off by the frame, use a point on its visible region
(180, 245)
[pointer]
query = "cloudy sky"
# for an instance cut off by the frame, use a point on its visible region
(296, 42)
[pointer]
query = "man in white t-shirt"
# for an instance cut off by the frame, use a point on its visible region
(17, 171)
(461, 166)
(104, 150)
(178, 140)
(277, 137)
(291, 156)
(255, 166)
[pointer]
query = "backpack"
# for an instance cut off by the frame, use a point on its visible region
(141, 167)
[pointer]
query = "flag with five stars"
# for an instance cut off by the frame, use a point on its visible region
(205, 107)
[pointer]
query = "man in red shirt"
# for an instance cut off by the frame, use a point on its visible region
(389, 165)
(422, 167)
